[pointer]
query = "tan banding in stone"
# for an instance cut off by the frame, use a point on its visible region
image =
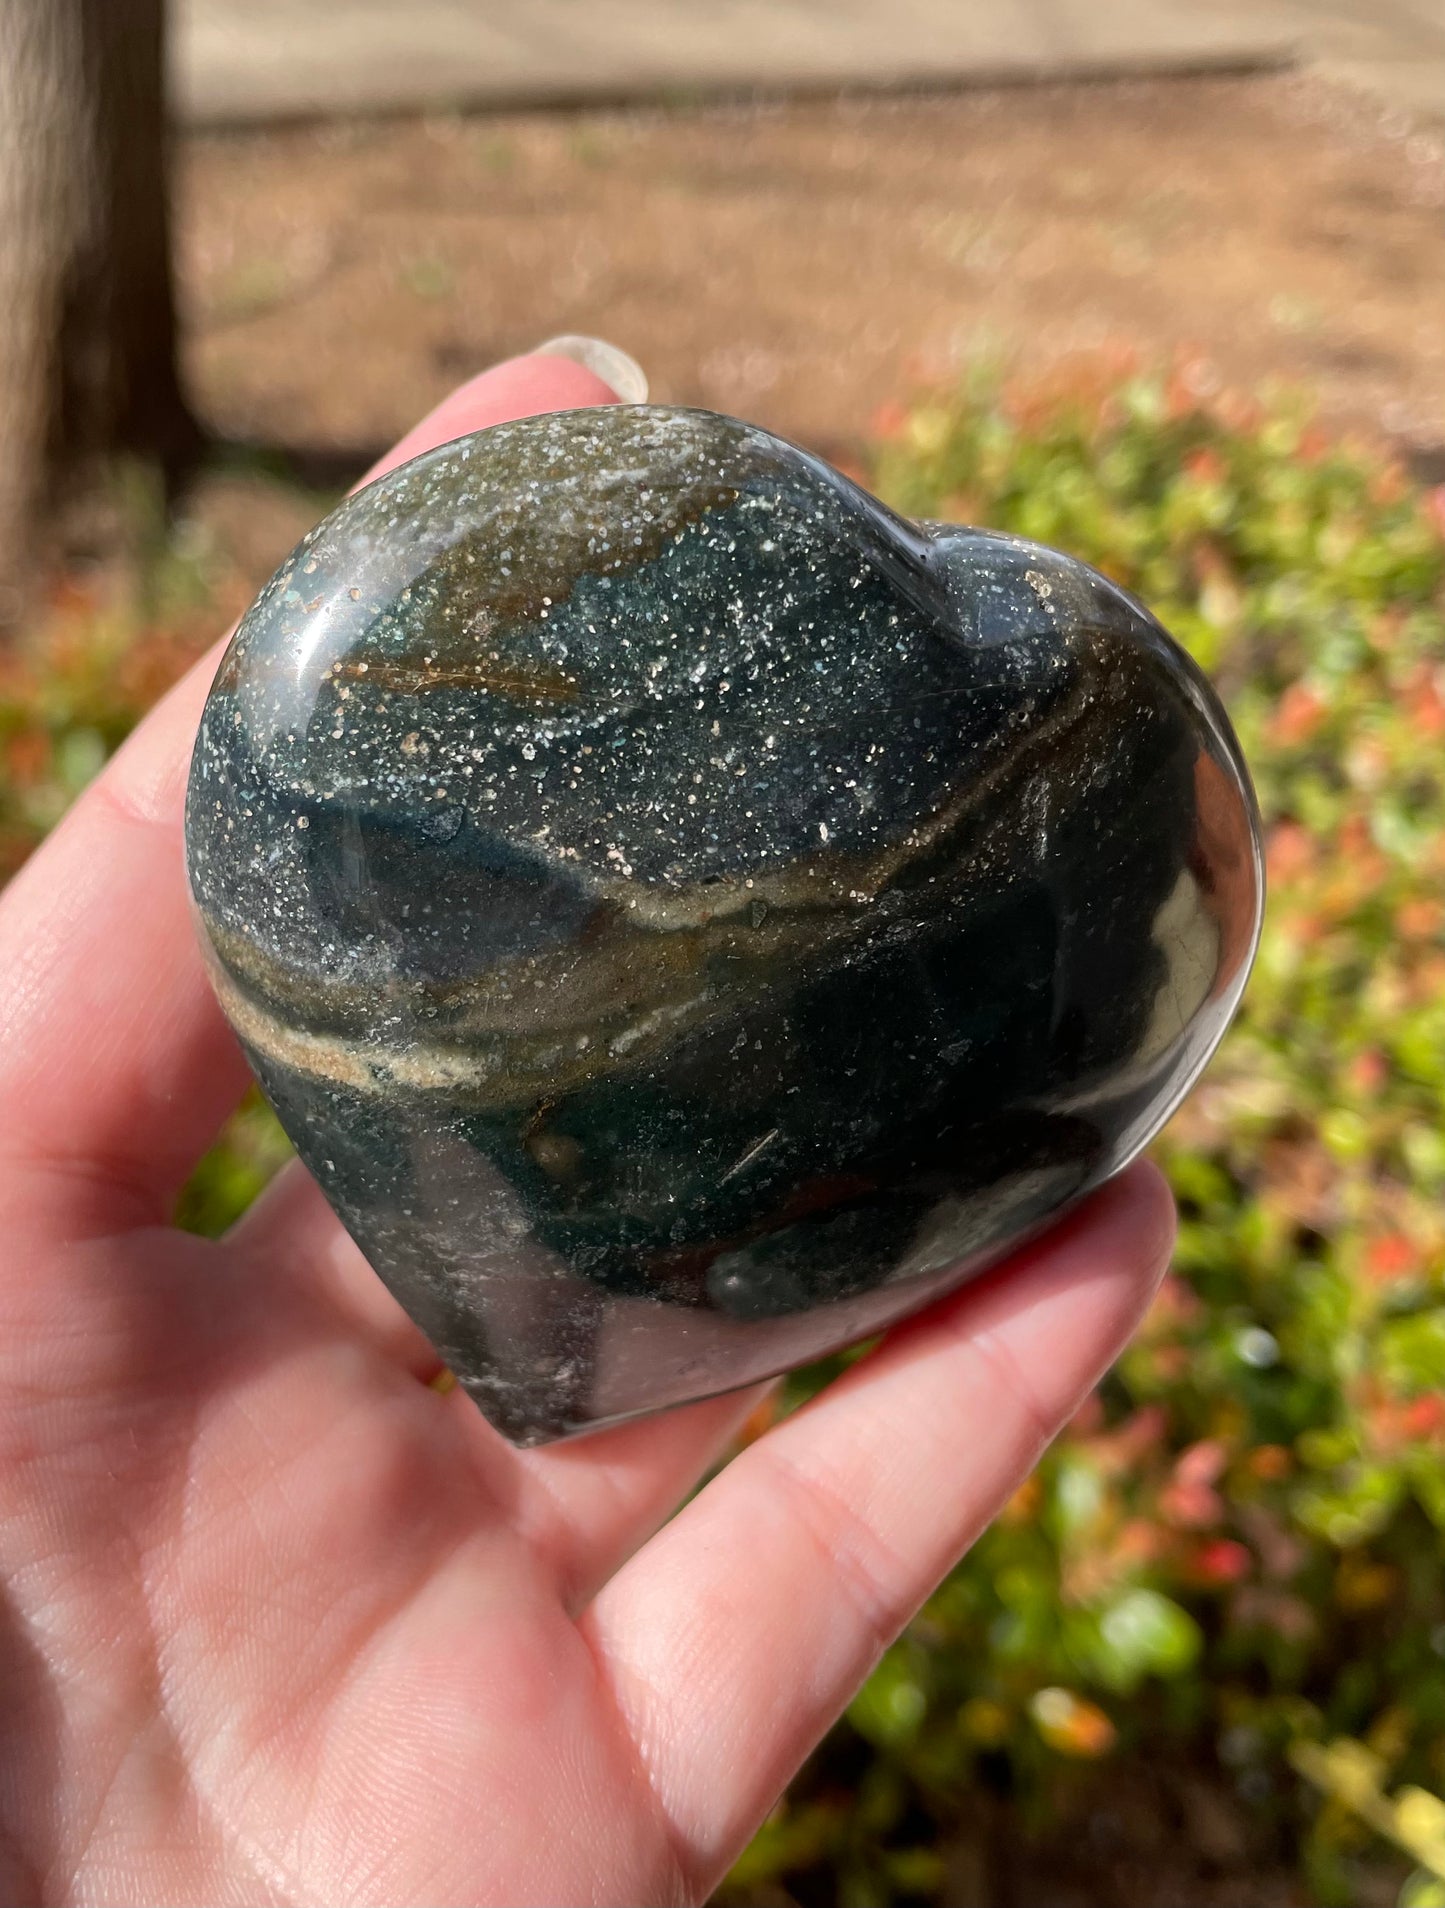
(555, 1021)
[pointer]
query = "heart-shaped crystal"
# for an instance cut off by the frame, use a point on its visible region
(687, 917)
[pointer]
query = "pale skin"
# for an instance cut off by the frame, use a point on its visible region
(282, 1622)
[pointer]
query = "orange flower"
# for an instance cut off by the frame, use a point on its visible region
(1355, 839)
(1290, 853)
(1418, 919)
(1269, 1462)
(69, 595)
(1387, 486)
(1391, 1256)
(1299, 714)
(1138, 1542)
(1023, 1506)
(1424, 703)
(1367, 1072)
(28, 756)
(1071, 1725)
(1205, 465)
(1239, 413)
(1395, 1422)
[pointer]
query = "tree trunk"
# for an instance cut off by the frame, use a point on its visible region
(87, 349)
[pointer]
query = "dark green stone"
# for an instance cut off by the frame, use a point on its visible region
(687, 917)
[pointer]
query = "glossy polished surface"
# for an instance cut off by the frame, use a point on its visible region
(686, 917)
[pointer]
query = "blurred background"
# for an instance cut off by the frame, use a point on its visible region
(1159, 281)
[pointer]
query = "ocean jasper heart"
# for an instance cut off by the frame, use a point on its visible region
(687, 917)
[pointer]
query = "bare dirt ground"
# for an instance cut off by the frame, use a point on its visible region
(800, 264)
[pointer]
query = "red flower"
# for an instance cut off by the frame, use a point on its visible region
(1222, 1560)
(1189, 1500)
(1423, 1416)
(1202, 1463)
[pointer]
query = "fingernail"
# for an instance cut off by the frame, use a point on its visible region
(616, 369)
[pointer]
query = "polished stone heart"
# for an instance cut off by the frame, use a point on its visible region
(687, 917)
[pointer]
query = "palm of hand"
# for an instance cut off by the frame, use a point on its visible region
(296, 1609)
(282, 1622)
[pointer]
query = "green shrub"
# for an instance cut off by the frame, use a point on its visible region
(1237, 1547)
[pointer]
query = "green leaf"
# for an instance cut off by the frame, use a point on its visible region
(1145, 1634)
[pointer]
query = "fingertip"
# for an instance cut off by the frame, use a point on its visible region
(1154, 1218)
(1116, 1246)
(1126, 1229)
(526, 386)
(1121, 1247)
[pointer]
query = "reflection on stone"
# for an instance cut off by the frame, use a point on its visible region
(685, 916)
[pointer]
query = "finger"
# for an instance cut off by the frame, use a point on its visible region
(734, 1638)
(583, 1507)
(115, 1067)
(567, 374)
(587, 1506)
(291, 1236)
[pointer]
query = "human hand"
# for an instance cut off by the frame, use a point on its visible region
(281, 1622)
